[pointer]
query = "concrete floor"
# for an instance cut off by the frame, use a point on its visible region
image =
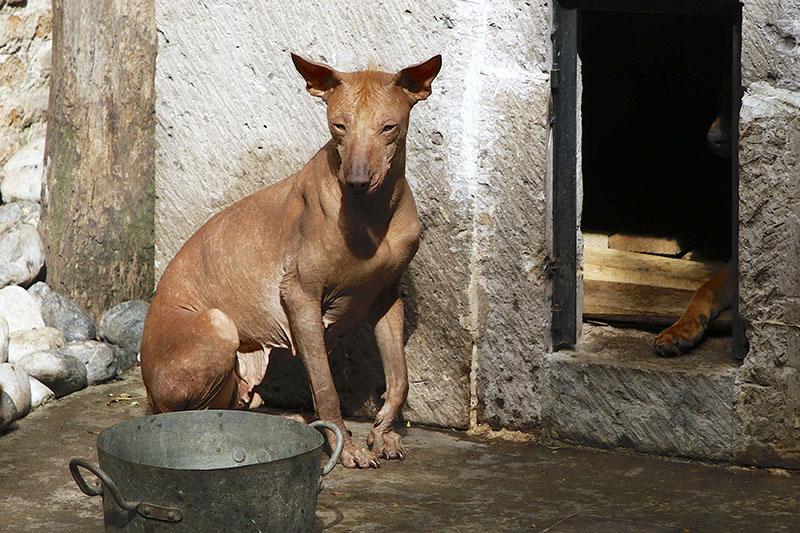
(450, 482)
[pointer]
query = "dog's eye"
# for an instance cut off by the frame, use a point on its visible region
(389, 127)
(339, 127)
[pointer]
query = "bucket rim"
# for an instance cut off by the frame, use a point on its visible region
(103, 450)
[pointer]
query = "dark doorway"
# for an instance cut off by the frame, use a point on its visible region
(652, 86)
(653, 78)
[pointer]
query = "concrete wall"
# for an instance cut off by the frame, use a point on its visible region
(768, 384)
(233, 115)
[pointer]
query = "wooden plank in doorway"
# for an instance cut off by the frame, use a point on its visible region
(595, 240)
(615, 302)
(642, 289)
(644, 269)
(650, 244)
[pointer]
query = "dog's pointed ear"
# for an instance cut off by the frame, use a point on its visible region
(320, 78)
(416, 80)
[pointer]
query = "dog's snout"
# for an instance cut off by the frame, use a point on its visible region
(717, 141)
(716, 137)
(358, 184)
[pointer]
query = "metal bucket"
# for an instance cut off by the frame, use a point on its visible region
(209, 471)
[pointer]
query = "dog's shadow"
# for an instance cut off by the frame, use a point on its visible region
(338, 516)
(355, 364)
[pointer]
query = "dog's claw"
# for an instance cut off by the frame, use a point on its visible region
(678, 339)
(386, 445)
(354, 456)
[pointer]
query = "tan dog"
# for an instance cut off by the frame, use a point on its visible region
(298, 262)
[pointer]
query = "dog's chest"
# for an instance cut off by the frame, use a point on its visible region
(359, 282)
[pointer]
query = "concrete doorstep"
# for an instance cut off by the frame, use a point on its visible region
(611, 391)
(450, 482)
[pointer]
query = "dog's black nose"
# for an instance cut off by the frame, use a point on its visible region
(358, 185)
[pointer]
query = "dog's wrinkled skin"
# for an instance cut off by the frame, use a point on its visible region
(297, 262)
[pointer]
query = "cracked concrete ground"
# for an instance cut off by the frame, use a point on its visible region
(450, 482)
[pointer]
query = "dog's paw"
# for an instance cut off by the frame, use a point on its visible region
(355, 456)
(678, 338)
(386, 444)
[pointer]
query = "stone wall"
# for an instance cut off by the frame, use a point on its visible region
(510, 56)
(47, 341)
(768, 384)
(233, 116)
(25, 30)
(25, 44)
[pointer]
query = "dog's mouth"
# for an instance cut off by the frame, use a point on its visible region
(374, 185)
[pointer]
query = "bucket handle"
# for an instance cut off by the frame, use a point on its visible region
(147, 510)
(337, 450)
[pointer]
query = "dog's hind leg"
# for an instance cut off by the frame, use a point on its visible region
(189, 359)
(250, 369)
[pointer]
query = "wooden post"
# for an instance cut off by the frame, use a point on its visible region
(563, 81)
(98, 197)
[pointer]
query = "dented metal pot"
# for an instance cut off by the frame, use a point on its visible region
(209, 471)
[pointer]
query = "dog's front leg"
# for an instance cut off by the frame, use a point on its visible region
(308, 337)
(706, 304)
(389, 336)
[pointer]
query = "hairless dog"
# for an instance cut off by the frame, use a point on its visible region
(297, 262)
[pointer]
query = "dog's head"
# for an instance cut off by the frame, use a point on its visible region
(368, 115)
(718, 135)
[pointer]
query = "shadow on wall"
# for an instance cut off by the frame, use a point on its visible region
(355, 362)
